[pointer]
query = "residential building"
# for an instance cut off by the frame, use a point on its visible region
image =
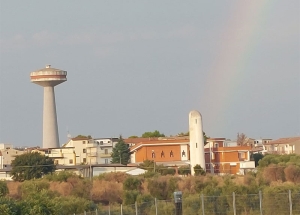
(106, 148)
(288, 145)
(134, 141)
(165, 150)
(8, 155)
(81, 151)
(223, 159)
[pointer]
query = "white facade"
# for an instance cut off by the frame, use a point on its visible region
(62, 156)
(8, 155)
(5, 146)
(196, 140)
(92, 151)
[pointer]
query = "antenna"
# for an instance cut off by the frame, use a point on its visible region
(68, 134)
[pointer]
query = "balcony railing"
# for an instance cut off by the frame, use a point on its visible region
(103, 155)
(55, 155)
(92, 154)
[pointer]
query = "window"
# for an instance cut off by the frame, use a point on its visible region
(84, 160)
(196, 121)
(242, 155)
(183, 153)
(153, 154)
(83, 142)
(106, 161)
(196, 145)
(171, 154)
(216, 145)
(162, 154)
(106, 151)
(84, 150)
(70, 161)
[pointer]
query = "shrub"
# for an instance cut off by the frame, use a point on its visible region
(292, 173)
(33, 186)
(3, 188)
(129, 197)
(132, 183)
(118, 177)
(60, 176)
(184, 170)
(198, 170)
(106, 192)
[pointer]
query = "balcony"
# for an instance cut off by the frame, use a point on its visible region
(55, 155)
(103, 155)
(92, 154)
(247, 165)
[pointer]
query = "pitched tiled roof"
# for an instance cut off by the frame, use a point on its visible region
(287, 140)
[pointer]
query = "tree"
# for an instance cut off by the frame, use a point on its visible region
(30, 166)
(83, 136)
(147, 165)
(205, 138)
(242, 139)
(198, 170)
(182, 134)
(134, 136)
(257, 157)
(121, 152)
(155, 133)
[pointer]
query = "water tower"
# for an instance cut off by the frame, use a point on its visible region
(48, 78)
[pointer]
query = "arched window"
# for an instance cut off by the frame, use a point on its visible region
(153, 154)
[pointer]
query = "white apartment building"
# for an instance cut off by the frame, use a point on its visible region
(80, 151)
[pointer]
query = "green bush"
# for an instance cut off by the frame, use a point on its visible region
(60, 176)
(130, 197)
(132, 183)
(3, 188)
(198, 170)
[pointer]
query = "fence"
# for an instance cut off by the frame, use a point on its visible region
(249, 204)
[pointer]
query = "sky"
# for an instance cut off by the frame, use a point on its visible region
(137, 66)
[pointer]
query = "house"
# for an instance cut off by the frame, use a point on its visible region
(81, 151)
(167, 151)
(288, 145)
(8, 155)
(223, 159)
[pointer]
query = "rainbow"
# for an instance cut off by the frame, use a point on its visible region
(239, 38)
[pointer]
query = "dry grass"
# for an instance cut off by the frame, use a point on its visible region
(64, 188)
(13, 187)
